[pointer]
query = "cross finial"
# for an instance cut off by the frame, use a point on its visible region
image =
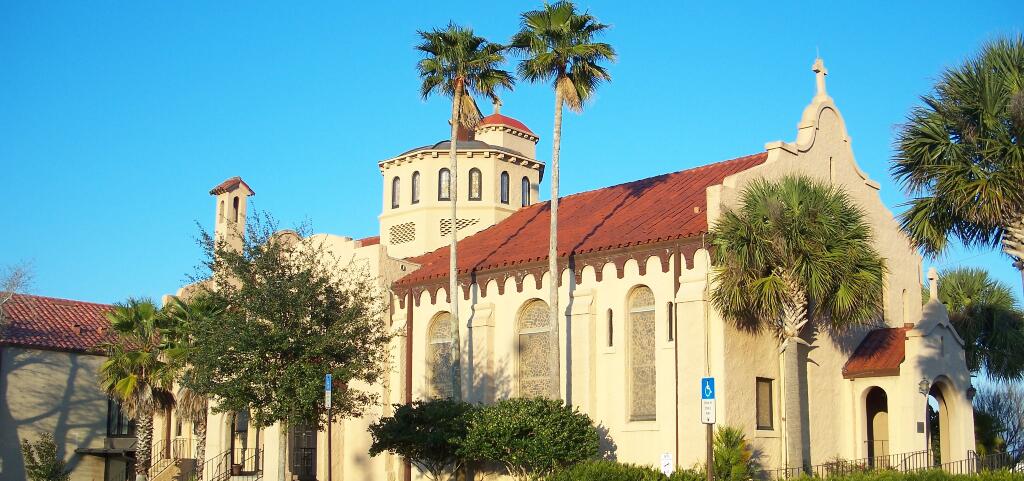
(497, 105)
(933, 283)
(820, 72)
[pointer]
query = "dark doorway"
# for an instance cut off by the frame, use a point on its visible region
(302, 449)
(877, 406)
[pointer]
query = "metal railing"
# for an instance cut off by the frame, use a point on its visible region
(1008, 461)
(238, 464)
(166, 455)
(904, 463)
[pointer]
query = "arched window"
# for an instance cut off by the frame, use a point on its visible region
(396, 190)
(504, 187)
(439, 360)
(415, 188)
(642, 379)
(221, 214)
(234, 209)
(526, 192)
(535, 376)
(444, 184)
(474, 184)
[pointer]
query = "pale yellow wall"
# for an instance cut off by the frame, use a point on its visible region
(54, 392)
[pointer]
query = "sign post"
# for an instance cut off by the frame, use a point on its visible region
(328, 384)
(707, 416)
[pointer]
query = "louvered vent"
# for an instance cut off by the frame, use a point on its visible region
(402, 233)
(446, 225)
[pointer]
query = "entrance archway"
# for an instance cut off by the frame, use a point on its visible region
(876, 405)
(938, 424)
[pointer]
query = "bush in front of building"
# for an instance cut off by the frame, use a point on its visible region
(427, 433)
(734, 458)
(531, 438)
(600, 470)
(41, 461)
(926, 475)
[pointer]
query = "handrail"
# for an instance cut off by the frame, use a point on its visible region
(168, 455)
(905, 463)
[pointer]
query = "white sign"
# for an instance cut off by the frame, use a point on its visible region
(667, 466)
(707, 400)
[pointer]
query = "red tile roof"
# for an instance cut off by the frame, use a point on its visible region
(498, 119)
(666, 207)
(879, 354)
(55, 324)
(369, 241)
(229, 184)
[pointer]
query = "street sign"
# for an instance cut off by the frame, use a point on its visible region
(707, 400)
(327, 391)
(667, 466)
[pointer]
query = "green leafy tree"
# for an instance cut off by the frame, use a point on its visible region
(137, 372)
(291, 313)
(795, 253)
(734, 458)
(1004, 404)
(41, 461)
(427, 433)
(960, 155)
(531, 438)
(190, 405)
(985, 314)
(558, 45)
(458, 64)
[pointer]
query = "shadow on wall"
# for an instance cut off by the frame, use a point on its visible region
(63, 399)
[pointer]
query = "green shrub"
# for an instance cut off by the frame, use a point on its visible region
(734, 458)
(531, 438)
(41, 461)
(607, 471)
(427, 433)
(688, 475)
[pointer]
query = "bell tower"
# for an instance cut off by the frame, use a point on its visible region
(230, 199)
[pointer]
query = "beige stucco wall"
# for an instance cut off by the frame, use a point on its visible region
(54, 392)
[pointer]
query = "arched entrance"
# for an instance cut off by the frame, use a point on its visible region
(938, 424)
(876, 405)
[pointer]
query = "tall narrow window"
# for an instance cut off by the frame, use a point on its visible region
(643, 379)
(764, 403)
(118, 423)
(444, 185)
(415, 188)
(439, 360)
(234, 209)
(221, 215)
(396, 190)
(475, 179)
(526, 192)
(504, 187)
(671, 325)
(535, 376)
(611, 329)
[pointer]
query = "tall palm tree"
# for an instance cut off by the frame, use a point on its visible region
(557, 43)
(457, 63)
(190, 404)
(961, 155)
(986, 315)
(795, 253)
(136, 372)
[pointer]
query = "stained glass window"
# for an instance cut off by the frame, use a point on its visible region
(535, 377)
(444, 184)
(415, 188)
(504, 187)
(526, 192)
(439, 361)
(474, 184)
(395, 191)
(643, 381)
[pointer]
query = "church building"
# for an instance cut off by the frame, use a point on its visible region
(638, 331)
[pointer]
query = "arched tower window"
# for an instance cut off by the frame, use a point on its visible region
(642, 378)
(221, 214)
(534, 335)
(526, 192)
(396, 190)
(415, 188)
(504, 187)
(444, 184)
(439, 361)
(234, 209)
(474, 184)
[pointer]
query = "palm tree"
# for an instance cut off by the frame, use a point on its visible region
(136, 372)
(191, 405)
(458, 64)
(557, 43)
(961, 155)
(986, 315)
(795, 253)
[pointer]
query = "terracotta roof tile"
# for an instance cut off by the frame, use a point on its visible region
(55, 324)
(229, 184)
(666, 207)
(369, 241)
(879, 354)
(498, 119)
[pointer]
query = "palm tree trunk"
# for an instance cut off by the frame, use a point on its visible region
(794, 318)
(453, 281)
(143, 445)
(555, 277)
(200, 446)
(1013, 245)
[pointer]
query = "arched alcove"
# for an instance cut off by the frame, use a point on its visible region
(876, 405)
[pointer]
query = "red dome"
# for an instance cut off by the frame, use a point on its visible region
(498, 119)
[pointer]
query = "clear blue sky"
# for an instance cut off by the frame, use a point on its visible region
(116, 119)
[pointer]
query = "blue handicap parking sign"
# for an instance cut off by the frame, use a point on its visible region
(707, 388)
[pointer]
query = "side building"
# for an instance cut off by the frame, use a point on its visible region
(49, 365)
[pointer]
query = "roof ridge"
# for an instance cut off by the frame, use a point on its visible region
(63, 299)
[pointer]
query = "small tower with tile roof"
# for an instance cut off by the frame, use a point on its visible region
(230, 199)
